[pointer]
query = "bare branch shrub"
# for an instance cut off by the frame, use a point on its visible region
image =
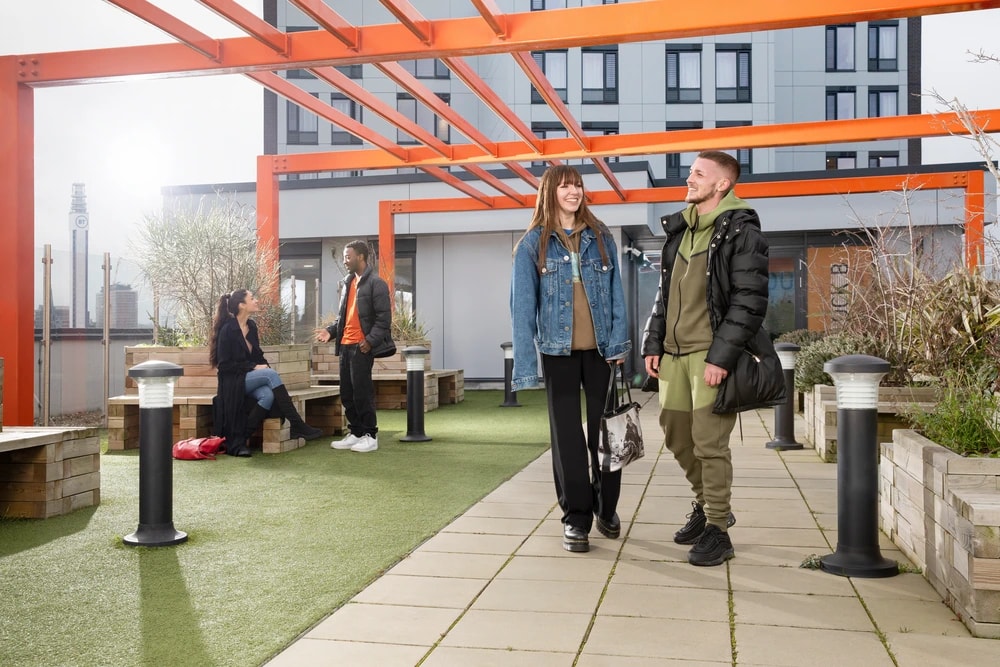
(192, 256)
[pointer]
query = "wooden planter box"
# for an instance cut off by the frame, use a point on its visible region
(820, 411)
(325, 362)
(943, 511)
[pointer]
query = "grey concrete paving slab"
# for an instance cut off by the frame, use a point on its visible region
(648, 601)
(492, 525)
(448, 656)
(406, 590)
(678, 575)
(796, 610)
(777, 646)
(589, 660)
(336, 653)
(919, 650)
(549, 568)
(519, 630)
(438, 564)
(552, 596)
(472, 543)
(654, 638)
(536, 511)
(383, 623)
(745, 577)
(922, 616)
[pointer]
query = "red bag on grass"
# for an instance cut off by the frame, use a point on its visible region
(193, 449)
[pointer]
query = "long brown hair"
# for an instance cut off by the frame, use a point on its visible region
(229, 306)
(546, 213)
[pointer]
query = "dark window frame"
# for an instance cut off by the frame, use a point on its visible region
(832, 93)
(419, 108)
(338, 135)
(540, 58)
(608, 92)
(296, 136)
(674, 165)
(837, 155)
(742, 93)
(744, 156)
(675, 94)
(875, 62)
(832, 47)
(875, 100)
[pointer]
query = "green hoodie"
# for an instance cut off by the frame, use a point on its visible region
(688, 326)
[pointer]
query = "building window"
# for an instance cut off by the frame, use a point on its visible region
(743, 155)
(884, 159)
(840, 48)
(553, 64)
(882, 47)
(303, 125)
(428, 68)
(679, 164)
(601, 129)
(684, 73)
(339, 136)
(883, 102)
(538, 5)
(841, 161)
(600, 75)
(422, 116)
(732, 73)
(840, 103)
(548, 131)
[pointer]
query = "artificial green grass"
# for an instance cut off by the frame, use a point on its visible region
(275, 542)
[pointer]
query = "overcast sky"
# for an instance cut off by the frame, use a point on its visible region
(125, 140)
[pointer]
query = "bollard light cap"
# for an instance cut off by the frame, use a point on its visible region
(786, 347)
(415, 349)
(857, 363)
(506, 346)
(155, 368)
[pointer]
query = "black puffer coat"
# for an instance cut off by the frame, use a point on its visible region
(737, 284)
(235, 360)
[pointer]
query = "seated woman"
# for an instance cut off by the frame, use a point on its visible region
(243, 371)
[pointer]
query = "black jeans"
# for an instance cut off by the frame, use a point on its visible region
(581, 487)
(357, 391)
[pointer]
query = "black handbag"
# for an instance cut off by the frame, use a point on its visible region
(757, 381)
(621, 434)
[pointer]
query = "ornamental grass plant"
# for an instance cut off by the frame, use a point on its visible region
(275, 544)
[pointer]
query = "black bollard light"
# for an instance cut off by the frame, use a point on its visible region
(156, 474)
(784, 425)
(509, 397)
(856, 378)
(415, 393)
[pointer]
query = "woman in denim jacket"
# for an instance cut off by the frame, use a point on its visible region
(566, 297)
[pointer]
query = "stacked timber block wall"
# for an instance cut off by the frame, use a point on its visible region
(943, 512)
(194, 390)
(46, 472)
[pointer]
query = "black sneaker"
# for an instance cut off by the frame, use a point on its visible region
(575, 539)
(713, 548)
(609, 529)
(695, 525)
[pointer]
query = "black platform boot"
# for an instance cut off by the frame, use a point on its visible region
(299, 429)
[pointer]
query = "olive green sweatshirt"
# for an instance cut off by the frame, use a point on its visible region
(688, 326)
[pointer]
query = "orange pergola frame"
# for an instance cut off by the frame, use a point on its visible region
(266, 49)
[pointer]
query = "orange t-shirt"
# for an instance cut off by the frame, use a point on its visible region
(353, 335)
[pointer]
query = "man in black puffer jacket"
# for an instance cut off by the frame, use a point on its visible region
(711, 302)
(362, 334)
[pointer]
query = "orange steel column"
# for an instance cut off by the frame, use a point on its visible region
(387, 247)
(267, 218)
(975, 208)
(17, 219)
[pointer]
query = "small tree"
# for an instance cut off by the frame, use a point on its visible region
(190, 256)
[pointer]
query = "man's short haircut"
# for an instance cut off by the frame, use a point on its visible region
(360, 248)
(724, 160)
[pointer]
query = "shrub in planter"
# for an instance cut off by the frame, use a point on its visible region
(810, 359)
(965, 419)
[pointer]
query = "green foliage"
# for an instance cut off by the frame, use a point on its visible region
(965, 419)
(800, 337)
(273, 324)
(810, 359)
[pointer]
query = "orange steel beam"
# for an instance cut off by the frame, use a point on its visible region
(398, 73)
(488, 96)
(306, 100)
(170, 24)
(975, 208)
(17, 252)
(620, 23)
(387, 247)
(675, 141)
(250, 23)
(494, 18)
(267, 217)
(494, 182)
(458, 184)
(330, 21)
(408, 15)
(752, 190)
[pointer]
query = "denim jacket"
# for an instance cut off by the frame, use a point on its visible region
(541, 304)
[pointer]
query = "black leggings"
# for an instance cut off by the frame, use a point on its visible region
(581, 487)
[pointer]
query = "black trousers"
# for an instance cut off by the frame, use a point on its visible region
(581, 487)
(357, 391)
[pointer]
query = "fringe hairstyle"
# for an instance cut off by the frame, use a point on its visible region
(229, 306)
(546, 213)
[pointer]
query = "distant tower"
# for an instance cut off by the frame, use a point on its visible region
(79, 223)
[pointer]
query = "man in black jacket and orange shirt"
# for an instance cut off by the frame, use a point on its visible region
(712, 300)
(362, 333)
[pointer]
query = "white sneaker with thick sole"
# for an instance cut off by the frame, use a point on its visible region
(367, 444)
(347, 442)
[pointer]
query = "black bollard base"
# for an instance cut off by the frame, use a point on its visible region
(155, 536)
(511, 402)
(865, 565)
(415, 437)
(783, 444)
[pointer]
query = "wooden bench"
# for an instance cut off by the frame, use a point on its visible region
(441, 387)
(193, 393)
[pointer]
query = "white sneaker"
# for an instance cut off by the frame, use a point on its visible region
(368, 443)
(347, 442)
